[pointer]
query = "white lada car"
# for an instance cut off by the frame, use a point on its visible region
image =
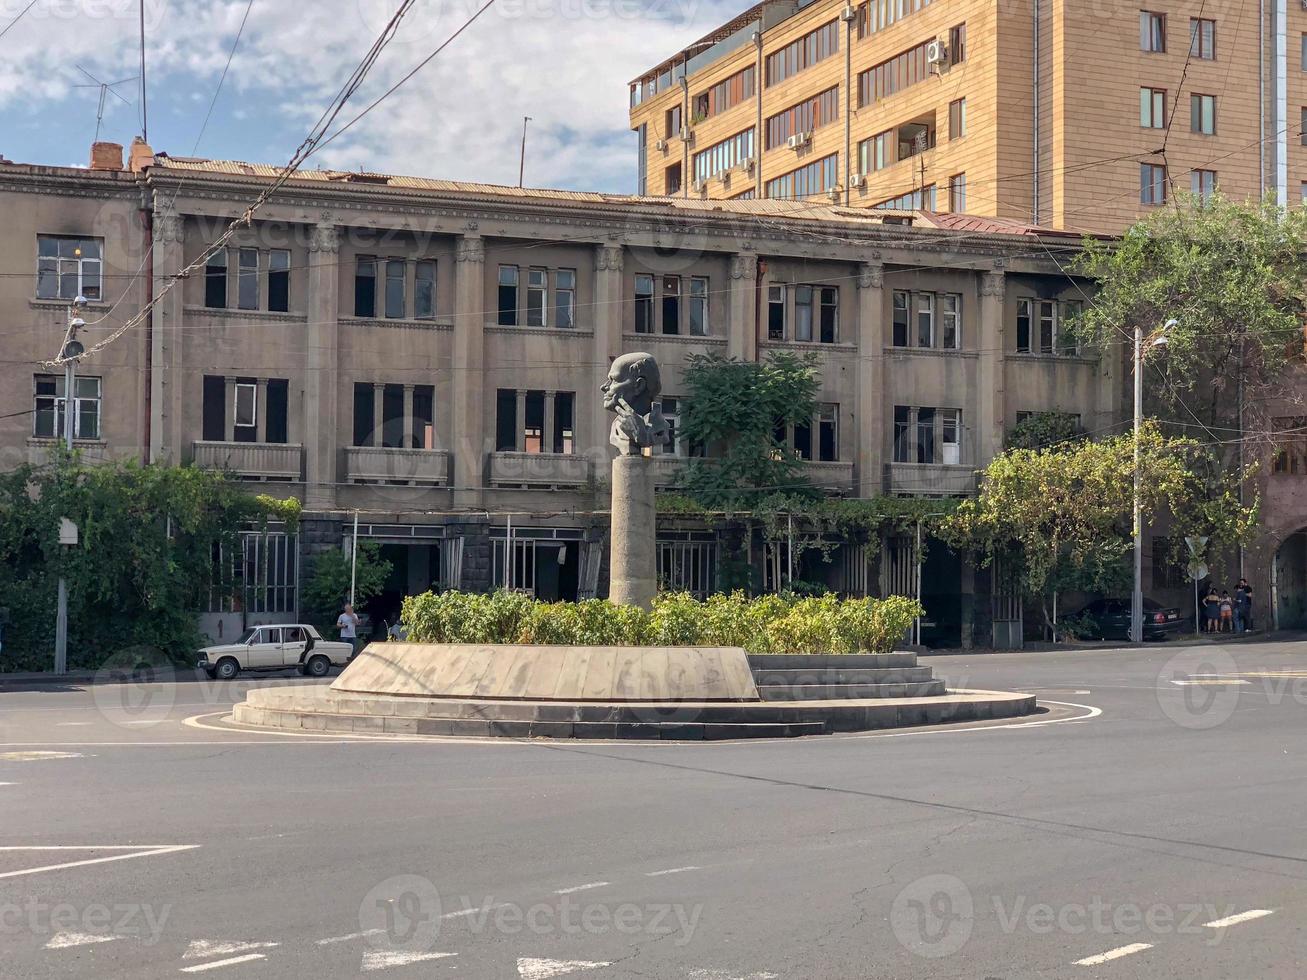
(283, 647)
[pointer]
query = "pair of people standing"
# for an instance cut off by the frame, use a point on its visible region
(1226, 613)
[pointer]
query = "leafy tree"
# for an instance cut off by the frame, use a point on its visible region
(1039, 430)
(1234, 277)
(143, 567)
(1062, 516)
(735, 409)
(327, 589)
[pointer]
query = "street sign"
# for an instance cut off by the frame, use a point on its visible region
(1198, 570)
(67, 531)
(1196, 545)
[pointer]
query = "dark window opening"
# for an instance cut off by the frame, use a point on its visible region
(279, 281)
(276, 411)
(215, 408)
(363, 422)
(365, 287)
(215, 281)
(506, 420)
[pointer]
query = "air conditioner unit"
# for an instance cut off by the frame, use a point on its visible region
(687, 134)
(937, 52)
(724, 176)
(798, 140)
(660, 145)
(835, 194)
(699, 186)
(858, 180)
(848, 14)
(749, 163)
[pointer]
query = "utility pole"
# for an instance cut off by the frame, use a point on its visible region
(521, 167)
(72, 350)
(1157, 339)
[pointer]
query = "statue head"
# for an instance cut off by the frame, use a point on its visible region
(634, 381)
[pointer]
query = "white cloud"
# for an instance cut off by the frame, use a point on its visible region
(565, 63)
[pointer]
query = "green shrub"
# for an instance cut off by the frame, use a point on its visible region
(767, 624)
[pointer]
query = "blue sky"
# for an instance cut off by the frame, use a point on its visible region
(565, 63)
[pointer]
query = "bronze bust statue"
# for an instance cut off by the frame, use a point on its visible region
(632, 390)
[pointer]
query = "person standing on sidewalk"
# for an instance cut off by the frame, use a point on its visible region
(348, 624)
(1243, 606)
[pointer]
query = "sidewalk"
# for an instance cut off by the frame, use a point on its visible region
(1186, 639)
(81, 677)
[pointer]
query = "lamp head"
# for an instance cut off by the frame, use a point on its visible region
(79, 301)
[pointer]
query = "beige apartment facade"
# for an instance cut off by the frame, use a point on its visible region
(428, 355)
(1058, 113)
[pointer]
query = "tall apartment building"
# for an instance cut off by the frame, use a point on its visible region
(1060, 113)
(428, 354)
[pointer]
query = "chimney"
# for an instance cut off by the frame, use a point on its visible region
(140, 156)
(106, 156)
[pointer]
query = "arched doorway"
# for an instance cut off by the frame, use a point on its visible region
(1289, 582)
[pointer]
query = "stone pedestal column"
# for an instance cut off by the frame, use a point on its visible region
(592, 421)
(167, 382)
(742, 323)
(990, 406)
(468, 416)
(870, 401)
(633, 570)
(320, 368)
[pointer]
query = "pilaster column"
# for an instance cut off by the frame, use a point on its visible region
(468, 445)
(407, 439)
(519, 436)
(742, 314)
(167, 381)
(870, 402)
(589, 416)
(547, 432)
(261, 410)
(378, 414)
(991, 407)
(321, 367)
(229, 408)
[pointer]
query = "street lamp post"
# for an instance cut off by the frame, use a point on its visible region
(72, 350)
(1157, 339)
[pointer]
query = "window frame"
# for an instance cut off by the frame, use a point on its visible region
(1152, 31)
(1199, 104)
(55, 263)
(537, 296)
(52, 405)
(565, 298)
(1198, 44)
(252, 389)
(247, 278)
(398, 282)
(507, 316)
(1153, 190)
(1152, 107)
(424, 306)
(278, 287)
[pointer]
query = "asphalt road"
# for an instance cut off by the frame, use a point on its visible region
(1085, 845)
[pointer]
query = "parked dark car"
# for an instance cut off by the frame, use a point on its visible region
(1112, 617)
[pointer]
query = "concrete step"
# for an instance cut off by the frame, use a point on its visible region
(851, 692)
(826, 661)
(834, 675)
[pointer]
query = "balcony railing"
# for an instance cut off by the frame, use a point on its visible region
(382, 464)
(251, 460)
(511, 469)
(837, 477)
(929, 479)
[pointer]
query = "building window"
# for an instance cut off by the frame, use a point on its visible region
(1202, 39)
(1152, 108)
(1049, 325)
(902, 314)
(807, 181)
(931, 436)
(424, 289)
(1291, 446)
(396, 273)
(894, 75)
(1169, 570)
(1202, 114)
(1302, 58)
(807, 116)
(672, 122)
(926, 435)
(950, 316)
(957, 193)
(215, 280)
(873, 153)
(804, 53)
(925, 319)
(247, 279)
(671, 304)
(672, 180)
(828, 433)
(776, 312)
(957, 119)
(532, 437)
(876, 15)
(804, 300)
(1203, 184)
(816, 314)
(1302, 125)
(245, 411)
(725, 94)
(68, 267)
(537, 290)
(957, 44)
(365, 286)
(921, 199)
(508, 296)
(644, 299)
(279, 280)
(722, 156)
(697, 313)
(828, 323)
(902, 434)
(937, 318)
(49, 406)
(950, 436)
(1152, 183)
(1152, 31)
(671, 444)
(565, 297)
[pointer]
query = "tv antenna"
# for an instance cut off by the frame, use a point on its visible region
(106, 89)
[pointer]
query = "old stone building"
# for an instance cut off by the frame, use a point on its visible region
(427, 355)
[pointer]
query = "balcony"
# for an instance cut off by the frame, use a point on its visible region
(250, 460)
(929, 480)
(834, 477)
(392, 465)
(511, 469)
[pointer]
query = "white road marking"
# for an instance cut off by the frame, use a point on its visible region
(8, 784)
(473, 911)
(139, 852)
(1113, 954)
(64, 940)
(533, 969)
(201, 949)
(1234, 920)
(382, 959)
(581, 888)
(37, 756)
(72, 724)
(216, 964)
(146, 721)
(672, 871)
(1209, 682)
(353, 935)
(1084, 692)
(726, 975)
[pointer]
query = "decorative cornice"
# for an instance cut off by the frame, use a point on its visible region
(993, 284)
(263, 316)
(744, 266)
(568, 333)
(609, 258)
(871, 275)
(366, 321)
(470, 249)
(673, 338)
(168, 227)
(324, 238)
(809, 345)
